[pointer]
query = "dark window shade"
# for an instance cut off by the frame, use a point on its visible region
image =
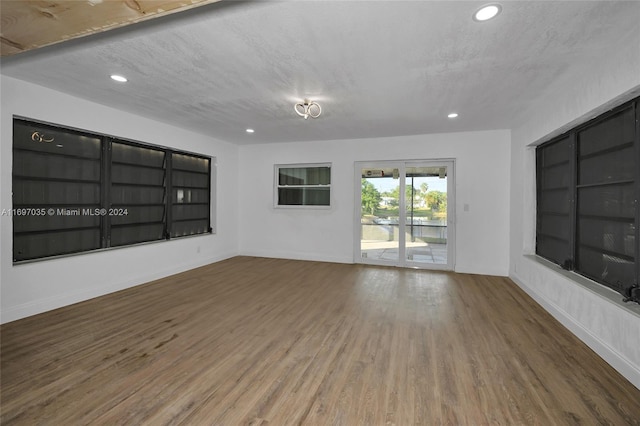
(190, 227)
(553, 239)
(122, 195)
(190, 200)
(612, 201)
(36, 193)
(56, 170)
(556, 178)
(56, 166)
(137, 175)
(137, 155)
(606, 207)
(587, 200)
(50, 243)
(555, 202)
(51, 140)
(605, 268)
(190, 163)
(608, 133)
(184, 179)
(68, 177)
(609, 167)
(126, 235)
(557, 227)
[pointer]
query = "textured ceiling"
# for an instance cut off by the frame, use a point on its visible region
(378, 68)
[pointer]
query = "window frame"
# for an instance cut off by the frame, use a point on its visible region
(277, 186)
(631, 291)
(105, 187)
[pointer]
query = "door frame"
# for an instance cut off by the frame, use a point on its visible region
(401, 165)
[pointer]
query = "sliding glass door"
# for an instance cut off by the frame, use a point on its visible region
(404, 217)
(378, 218)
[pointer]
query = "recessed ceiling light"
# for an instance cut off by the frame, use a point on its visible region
(250, 130)
(119, 78)
(487, 12)
(453, 115)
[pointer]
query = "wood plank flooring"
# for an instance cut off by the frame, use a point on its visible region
(282, 342)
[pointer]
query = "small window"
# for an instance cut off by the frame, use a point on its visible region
(303, 185)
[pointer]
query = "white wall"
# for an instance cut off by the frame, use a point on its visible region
(481, 176)
(594, 314)
(32, 288)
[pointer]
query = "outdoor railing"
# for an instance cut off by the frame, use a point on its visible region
(434, 233)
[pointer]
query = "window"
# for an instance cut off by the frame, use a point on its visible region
(75, 192)
(138, 174)
(56, 175)
(588, 186)
(190, 178)
(303, 185)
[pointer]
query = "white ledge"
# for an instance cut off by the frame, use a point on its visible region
(600, 290)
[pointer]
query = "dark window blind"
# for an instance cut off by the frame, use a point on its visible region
(75, 191)
(588, 191)
(554, 202)
(606, 204)
(191, 194)
(56, 175)
(138, 176)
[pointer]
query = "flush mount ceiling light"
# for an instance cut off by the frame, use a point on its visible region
(250, 130)
(487, 12)
(119, 78)
(308, 109)
(453, 115)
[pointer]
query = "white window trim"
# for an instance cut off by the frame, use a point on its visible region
(276, 186)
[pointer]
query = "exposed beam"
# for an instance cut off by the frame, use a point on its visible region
(30, 24)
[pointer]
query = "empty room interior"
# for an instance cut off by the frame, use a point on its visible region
(320, 212)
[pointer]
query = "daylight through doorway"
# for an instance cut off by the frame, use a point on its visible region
(405, 217)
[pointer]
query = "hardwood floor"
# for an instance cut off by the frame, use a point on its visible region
(282, 342)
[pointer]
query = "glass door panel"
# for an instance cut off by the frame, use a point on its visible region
(426, 214)
(379, 214)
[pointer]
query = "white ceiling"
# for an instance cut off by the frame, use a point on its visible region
(378, 68)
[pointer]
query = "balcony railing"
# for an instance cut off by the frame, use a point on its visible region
(389, 229)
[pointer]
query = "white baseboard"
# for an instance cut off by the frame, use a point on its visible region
(492, 272)
(296, 256)
(606, 352)
(39, 306)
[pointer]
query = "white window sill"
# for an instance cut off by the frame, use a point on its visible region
(600, 290)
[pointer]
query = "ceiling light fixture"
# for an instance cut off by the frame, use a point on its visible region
(119, 78)
(453, 115)
(250, 130)
(308, 109)
(487, 12)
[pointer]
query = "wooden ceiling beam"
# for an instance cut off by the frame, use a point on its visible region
(30, 24)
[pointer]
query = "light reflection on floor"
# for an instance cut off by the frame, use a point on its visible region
(416, 251)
